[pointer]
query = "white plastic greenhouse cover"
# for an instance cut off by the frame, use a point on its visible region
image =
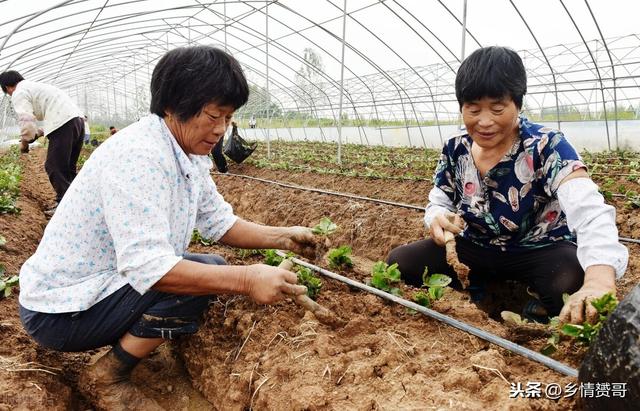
(396, 71)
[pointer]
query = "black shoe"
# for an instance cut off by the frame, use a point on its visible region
(535, 311)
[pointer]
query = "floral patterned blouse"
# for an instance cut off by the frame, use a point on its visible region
(514, 206)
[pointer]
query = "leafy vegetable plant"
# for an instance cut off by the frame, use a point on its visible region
(325, 227)
(271, 258)
(583, 333)
(435, 285)
(7, 283)
(313, 283)
(586, 332)
(196, 237)
(384, 276)
(340, 257)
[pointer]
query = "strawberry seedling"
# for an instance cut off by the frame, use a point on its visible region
(7, 283)
(340, 257)
(196, 237)
(271, 258)
(435, 285)
(384, 276)
(324, 227)
(313, 283)
(586, 332)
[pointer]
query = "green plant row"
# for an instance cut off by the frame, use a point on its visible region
(10, 176)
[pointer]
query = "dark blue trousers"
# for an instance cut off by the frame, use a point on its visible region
(153, 314)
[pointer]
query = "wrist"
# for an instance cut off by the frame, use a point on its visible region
(600, 275)
(245, 281)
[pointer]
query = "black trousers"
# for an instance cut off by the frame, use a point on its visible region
(550, 271)
(65, 144)
(153, 314)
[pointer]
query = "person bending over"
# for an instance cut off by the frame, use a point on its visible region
(112, 267)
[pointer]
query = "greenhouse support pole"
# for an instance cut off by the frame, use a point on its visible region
(38, 14)
(225, 26)
(344, 29)
(266, 97)
(135, 86)
(464, 29)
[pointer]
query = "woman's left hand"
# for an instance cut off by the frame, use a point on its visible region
(300, 240)
(599, 280)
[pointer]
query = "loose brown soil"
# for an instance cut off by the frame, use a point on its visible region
(278, 357)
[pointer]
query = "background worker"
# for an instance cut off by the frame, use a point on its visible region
(63, 126)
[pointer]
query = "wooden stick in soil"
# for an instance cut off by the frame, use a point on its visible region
(452, 259)
(321, 313)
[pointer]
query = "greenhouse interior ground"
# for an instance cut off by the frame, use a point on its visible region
(350, 104)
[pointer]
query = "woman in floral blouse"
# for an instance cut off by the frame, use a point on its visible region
(520, 198)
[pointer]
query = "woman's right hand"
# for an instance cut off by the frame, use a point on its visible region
(447, 221)
(268, 285)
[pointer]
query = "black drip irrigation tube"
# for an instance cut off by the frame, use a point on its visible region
(487, 336)
(318, 190)
(357, 197)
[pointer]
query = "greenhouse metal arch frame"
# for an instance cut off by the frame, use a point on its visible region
(378, 67)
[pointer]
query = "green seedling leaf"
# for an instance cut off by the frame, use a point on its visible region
(196, 237)
(565, 298)
(309, 280)
(605, 304)
(7, 284)
(552, 344)
(340, 257)
(271, 258)
(437, 280)
(3, 241)
(436, 293)
(383, 276)
(324, 227)
(572, 330)
(422, 298)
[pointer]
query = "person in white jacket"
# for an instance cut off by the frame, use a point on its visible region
(63, 126)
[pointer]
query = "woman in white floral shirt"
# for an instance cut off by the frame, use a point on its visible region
(112, 267)
(520, 198)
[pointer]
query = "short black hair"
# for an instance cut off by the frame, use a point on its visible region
(111, 127)
(9, 79)
(491, 72)
(188, 78)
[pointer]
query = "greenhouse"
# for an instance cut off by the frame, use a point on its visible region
(455, 182)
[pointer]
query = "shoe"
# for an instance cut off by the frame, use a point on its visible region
(535, 311)
(107, 385)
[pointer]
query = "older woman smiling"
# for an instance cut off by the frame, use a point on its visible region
(112, 267)
(524, 196)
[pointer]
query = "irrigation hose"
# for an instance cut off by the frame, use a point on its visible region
(317, 190)
(511, 346)
(357, 197)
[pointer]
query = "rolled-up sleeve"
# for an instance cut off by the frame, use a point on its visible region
(136, 195)
(24, 115)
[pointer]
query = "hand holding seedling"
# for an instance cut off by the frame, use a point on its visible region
(598, 281)
(442, 223)
(267, 284)
(300, 240)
